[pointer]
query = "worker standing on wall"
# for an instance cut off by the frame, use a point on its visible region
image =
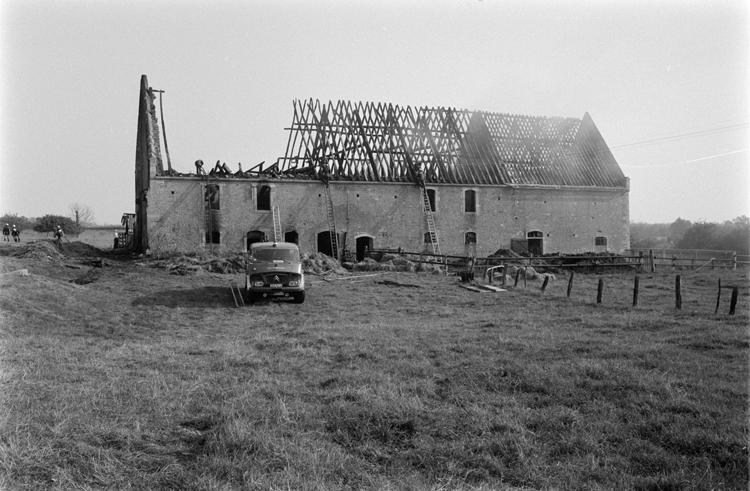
(117, 239)
(6, 233)
(16, 234)
(325, 173)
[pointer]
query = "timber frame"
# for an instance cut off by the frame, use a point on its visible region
(391, 143)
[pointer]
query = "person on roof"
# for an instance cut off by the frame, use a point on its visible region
(16, 234)
(6, 233)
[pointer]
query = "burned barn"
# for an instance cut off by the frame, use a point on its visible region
(358, 176)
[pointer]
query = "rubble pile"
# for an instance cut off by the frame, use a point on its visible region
(43, 250)
(318, 263)
(185, 265)
(394, 262)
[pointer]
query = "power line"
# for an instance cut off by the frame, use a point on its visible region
(711, 131)
(679, 131)
(686, 161)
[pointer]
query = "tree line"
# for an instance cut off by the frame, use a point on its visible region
(81, 217)
(731, 235)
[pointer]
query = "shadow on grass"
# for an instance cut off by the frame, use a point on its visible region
(207, 296)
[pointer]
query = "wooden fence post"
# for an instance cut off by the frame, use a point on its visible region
(599, 290)
(518, 272)
(718, 298)
(502, 271)
(640, 260)
(635, 291)
(570, 283)
(678, 292)
(733, 301)
(546, 281)
(651, 265)
(734, 260)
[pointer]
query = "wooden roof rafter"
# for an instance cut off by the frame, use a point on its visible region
(387, 142)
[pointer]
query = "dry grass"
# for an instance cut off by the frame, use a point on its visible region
(147, 380)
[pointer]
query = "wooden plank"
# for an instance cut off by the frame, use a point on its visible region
(492, 288)
(473, 288)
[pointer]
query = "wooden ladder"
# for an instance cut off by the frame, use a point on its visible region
(331, 223)
(236, 294)
(430, 222)
(207, 218)
(276, 224)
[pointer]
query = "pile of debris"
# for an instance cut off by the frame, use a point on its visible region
(185, 265)
(41, 250)
(394, 262)
(318, 263)
(526, 271)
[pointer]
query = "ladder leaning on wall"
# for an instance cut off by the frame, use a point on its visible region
(432, 230)
(331, 223)
(276, 224)
(207, 218)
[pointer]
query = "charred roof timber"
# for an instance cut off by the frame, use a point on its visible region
(385, 142)
(380, 142)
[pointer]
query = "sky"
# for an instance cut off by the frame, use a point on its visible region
(666, 82)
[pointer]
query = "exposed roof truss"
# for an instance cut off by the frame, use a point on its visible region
(386, 142)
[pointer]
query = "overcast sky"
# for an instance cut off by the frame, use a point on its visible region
(665, 82)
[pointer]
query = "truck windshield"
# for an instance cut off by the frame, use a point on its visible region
(273, 255)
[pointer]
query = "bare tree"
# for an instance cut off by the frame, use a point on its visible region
(83, 217)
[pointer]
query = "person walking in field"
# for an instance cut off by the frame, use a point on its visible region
(6, 233)
(16, 234)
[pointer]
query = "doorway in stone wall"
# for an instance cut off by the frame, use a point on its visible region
(324, 243)
(255, 236)
(535, 240)
(292, 237)
(364, 244)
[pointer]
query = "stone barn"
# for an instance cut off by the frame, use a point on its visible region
(358, 176)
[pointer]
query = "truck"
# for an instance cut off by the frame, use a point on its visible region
(274, 269)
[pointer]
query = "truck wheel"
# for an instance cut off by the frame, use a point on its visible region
(299, 297)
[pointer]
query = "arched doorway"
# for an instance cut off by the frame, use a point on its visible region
(364, 243)
(536, 242)
(292, 237)
(324, 243)
(255, 236)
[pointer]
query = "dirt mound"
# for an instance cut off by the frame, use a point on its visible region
(318, 262)
(80, 249)
(183, 265)
(43, 250)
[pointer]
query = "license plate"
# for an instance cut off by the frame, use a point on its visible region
(275, 285)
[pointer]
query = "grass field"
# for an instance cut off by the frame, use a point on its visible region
(142, 379)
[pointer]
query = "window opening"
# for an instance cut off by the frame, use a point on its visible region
(600, 244)
(264, 198)
(470, 238)
(470, 201)
(213, 214)
(431, 197)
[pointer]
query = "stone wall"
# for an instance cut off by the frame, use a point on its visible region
(390, 213)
